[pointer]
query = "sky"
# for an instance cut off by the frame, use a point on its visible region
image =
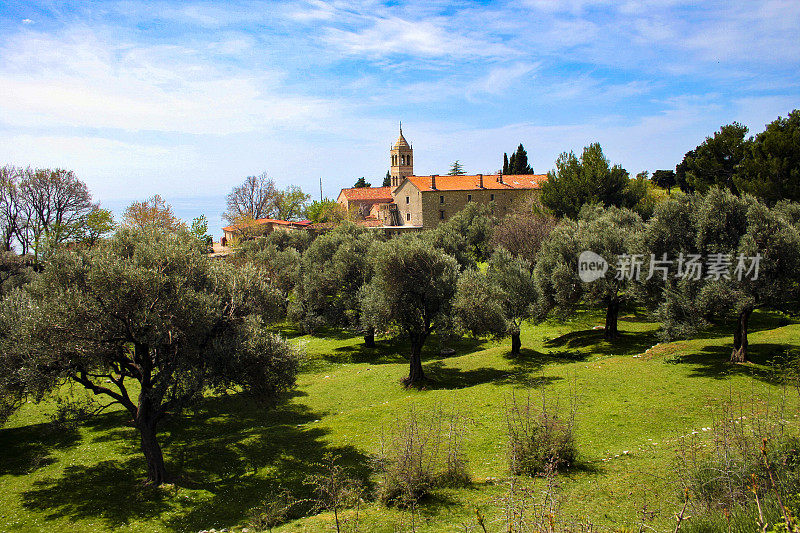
(186, 99)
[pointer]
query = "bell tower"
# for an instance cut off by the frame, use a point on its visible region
(402, 163)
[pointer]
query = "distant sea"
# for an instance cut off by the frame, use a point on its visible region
(185, 208)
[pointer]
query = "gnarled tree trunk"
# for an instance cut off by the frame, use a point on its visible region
(146, 421)
(612, 313)
(739, 353)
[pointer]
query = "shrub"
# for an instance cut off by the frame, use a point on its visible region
(744, 473)
(273, 511)
(419, 456)
(539, 439)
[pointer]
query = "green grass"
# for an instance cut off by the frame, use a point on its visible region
(229, 453)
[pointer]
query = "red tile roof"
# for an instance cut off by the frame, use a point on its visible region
(470, 183)
(261, 221)
(372, 194)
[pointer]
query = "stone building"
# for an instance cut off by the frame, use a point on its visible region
(429, 200)
(423, 202)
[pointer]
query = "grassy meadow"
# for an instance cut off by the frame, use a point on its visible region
(635, 399)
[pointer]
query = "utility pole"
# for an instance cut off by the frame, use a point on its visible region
(320, 190)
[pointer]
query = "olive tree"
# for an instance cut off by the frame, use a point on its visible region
(333, 270)
(147, 321)
(496, 303)
(750, 259)
(412, 289)
(610, 233)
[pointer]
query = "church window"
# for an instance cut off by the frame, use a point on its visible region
(441, 199)
(441, 214)
(408, 216)
(408, 199)
(469, 197)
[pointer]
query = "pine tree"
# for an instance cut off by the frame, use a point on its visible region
(456, 169)
(387, 181)
(361, 183)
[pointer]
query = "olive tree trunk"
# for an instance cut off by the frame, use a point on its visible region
(146, 421)
(739, 353)
(612, 313)
(516, 342)
(415, 374)
(369, 337)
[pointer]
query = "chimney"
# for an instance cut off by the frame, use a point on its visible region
(500, 177)
(480, 182)
(433, 181)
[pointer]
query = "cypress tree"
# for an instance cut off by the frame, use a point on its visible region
(505, 163)
(387, 181)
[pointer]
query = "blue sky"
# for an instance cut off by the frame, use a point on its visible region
(185, 99)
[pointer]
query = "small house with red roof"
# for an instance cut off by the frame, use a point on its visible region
(259, 227)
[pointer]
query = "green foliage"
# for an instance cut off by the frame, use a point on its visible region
(715, 161)
(664, 178)
(361, 183)
(326, 210)
(609, 233)
(721, 223)
(495, 303)
(466, 235)
(577, 182)
(771, 168)
(290, 203)
(456, 169)
(333, 270)
(95, 225)
(411, 289)
(199, 229)
(387, 180)
(147, 307)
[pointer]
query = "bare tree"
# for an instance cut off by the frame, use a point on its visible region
(256, 198)
(53, 206)
(10, 205)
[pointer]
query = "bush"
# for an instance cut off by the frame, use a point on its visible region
(743, 474)
(420, 456)
(539, 440)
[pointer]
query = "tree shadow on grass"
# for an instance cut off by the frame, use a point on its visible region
(395, 350)
(523, 372)
(24, 450)
(230, 449)
(591, 342)
(713, 361)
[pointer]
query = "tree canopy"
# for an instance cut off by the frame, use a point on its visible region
(411, 289)
(715, 161)
(146, 308)
(589, 179)
(609, 233)
(771, 169)
(361, 183)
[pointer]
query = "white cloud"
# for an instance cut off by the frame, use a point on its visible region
(80, 79)
(427, 38)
